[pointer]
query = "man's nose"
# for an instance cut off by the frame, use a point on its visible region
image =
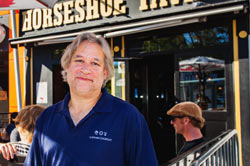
(85, 68)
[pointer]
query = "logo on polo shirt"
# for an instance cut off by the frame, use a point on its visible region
(100, 135)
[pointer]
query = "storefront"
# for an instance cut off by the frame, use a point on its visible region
(152, 44)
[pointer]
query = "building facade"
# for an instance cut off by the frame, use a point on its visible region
(154, 44)
(8, 98)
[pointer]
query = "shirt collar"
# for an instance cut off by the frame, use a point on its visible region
(104, 104)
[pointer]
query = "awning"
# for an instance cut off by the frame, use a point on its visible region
(130, 28)
(25, 4)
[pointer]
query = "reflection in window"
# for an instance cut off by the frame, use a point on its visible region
(202, 81)
(119, 80)
(57, 53)
(207, 87)
(196, 39)
(4, 81)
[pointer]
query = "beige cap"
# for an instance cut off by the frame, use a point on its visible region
(187, 109)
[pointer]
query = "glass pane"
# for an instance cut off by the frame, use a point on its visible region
(175, 42)
(119, 80)
(207, 86)
(202, 80)
(4, 83)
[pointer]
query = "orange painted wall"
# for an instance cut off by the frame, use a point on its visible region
(4, 12)
(12, 83)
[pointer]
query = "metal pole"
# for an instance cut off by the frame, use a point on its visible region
(16, 62)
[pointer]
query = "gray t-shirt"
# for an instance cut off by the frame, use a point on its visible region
(14, 135)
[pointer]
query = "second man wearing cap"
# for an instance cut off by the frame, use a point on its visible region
(187, 120)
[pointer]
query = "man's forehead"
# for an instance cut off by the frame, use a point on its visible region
(94, 57)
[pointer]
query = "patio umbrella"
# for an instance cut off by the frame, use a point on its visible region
(201, 65)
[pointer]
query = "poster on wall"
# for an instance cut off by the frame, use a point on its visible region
(41, 91)
(3, 95)
(120, 82)
(121, 67)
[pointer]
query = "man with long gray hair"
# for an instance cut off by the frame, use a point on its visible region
(90, 127)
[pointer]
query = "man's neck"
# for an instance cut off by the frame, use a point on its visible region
(81, 105)
(192, 134)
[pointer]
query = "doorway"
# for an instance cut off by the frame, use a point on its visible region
(152, 92)
(60, 88)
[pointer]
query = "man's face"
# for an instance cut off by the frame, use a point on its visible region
(178, 124)
(86, 70)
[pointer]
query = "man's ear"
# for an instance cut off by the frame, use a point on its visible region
(186, 120)
(105, 73)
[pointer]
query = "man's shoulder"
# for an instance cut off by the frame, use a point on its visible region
(50, 111)
(116, 102)
(127, 111)
(119, 104)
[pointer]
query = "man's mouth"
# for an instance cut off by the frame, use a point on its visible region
(84, 79)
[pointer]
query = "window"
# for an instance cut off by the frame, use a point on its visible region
(204, 85)
(202, 80)
(118, 82)
(202, 75)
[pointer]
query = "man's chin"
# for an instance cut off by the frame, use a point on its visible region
(82, 89)
(177, 132)
(85, 90)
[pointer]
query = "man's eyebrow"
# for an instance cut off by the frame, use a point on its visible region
(80, 56)
(97, 59)
(77, 56)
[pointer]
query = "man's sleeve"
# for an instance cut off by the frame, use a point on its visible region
(139, 147)
(34, 157)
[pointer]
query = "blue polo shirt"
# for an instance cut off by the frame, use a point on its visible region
(114, 133)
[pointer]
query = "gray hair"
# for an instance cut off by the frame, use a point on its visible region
(91, 37)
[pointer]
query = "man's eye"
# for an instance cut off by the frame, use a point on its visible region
(78, 60)
(96, 64)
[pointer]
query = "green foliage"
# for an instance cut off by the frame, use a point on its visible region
(108, 86)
